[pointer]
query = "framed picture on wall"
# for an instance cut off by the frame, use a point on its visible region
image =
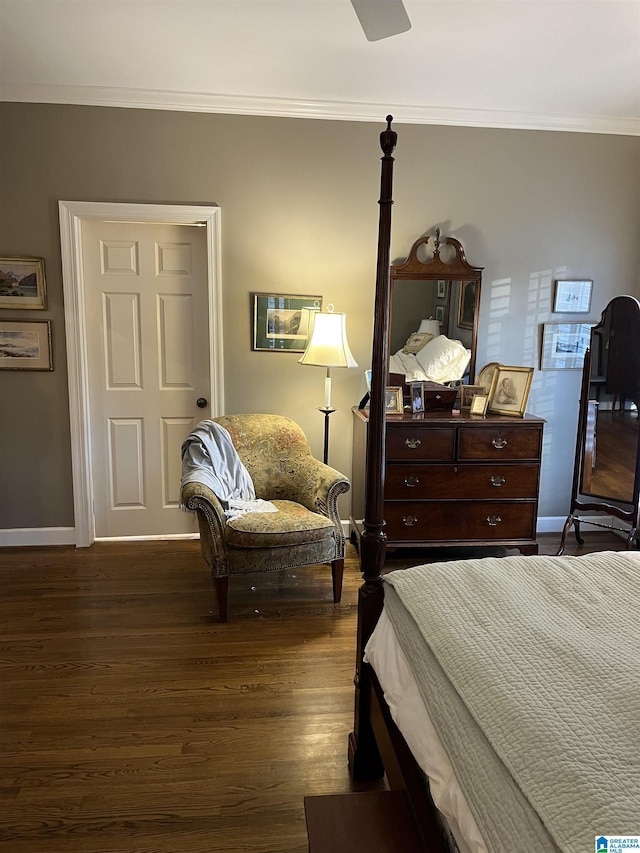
(25, 345)
(282, 321)
(564, 345)
(442, 289)
(440, 314)
(572, 297)
(22, 283)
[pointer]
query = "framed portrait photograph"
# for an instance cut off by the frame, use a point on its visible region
(393, 400)
(510, 390)
(25, 345)
(417, 398)
(467, 304)
(564, 345)
(282, 321)
(442, 289)
(479, 404)
(467, 393)
(572, 297)
(22, 283)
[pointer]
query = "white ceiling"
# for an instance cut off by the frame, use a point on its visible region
(549, 64)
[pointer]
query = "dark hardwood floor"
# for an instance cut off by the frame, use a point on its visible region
(131, 720)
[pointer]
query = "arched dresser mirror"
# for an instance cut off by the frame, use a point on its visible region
(606, 476)
(437, 291)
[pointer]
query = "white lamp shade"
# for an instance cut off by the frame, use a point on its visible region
(431, 326)
(328, 345)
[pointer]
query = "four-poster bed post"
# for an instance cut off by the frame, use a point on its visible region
(375, 736)
(364, 758)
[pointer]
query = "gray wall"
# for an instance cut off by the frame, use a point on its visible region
(299, 214)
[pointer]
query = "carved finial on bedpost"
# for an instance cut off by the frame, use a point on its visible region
(388, 138)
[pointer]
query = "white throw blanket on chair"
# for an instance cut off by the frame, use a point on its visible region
(209, 457)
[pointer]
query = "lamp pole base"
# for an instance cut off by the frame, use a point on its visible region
(326, 411)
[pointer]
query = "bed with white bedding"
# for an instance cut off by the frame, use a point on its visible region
(516, 683)
(440, 360)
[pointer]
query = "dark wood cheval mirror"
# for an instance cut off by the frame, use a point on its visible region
(606, 476)
(434, 292)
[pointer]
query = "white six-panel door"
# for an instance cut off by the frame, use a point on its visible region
(148, 364)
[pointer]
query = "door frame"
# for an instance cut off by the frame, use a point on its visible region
(72, 214)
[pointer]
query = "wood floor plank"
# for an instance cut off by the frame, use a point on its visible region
(132, 721)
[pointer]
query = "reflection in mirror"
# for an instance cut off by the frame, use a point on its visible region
(438, 291)
(611, 435)
(607, 464)
(607, 470)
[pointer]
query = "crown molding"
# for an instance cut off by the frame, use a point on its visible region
(152, 99)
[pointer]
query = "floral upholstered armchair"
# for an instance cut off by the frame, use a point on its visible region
(306, 528)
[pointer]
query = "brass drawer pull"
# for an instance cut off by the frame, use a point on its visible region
(409, 520)
(499, 442)
(497, 480)
(412, 442)
(493, 520)
(411, 482)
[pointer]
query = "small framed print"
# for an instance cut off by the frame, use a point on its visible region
(479, 404)
(442, 289)
(25, 345)
(440, 314)
(468, 392)
(282, 321)
(22, 283)
(572, 297)
(564, 345)
(393, 400)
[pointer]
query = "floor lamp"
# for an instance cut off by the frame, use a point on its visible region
(328, 347)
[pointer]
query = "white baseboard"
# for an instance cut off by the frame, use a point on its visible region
(155, 538)
(31, 536)
(551, 524)
(25, 536)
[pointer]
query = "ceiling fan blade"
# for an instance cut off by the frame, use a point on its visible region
(381, 18)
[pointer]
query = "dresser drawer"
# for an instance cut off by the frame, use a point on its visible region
(464, 482)
(405, 443)
(499, 443)
(459, 521)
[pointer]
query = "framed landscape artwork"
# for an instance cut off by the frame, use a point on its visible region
(282, 321)
(22, 283)
(25, 345)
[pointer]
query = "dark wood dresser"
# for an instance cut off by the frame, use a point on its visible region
(455, 479)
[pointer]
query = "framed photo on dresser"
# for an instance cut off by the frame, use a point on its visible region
(510, 390)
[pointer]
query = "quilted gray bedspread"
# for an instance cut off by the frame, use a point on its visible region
(530, 669)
